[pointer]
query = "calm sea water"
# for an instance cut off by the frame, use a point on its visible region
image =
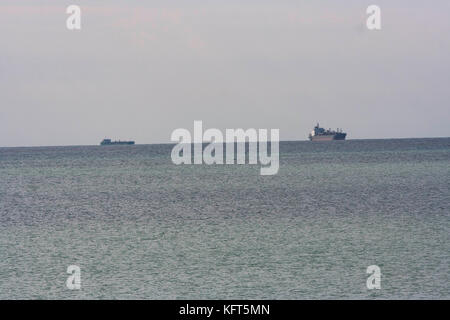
(140, 227)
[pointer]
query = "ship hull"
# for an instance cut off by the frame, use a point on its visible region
(109, 142)
(117, 143)
(328, 137)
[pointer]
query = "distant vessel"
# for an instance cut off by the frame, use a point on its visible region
(320, 134)
(107, 142)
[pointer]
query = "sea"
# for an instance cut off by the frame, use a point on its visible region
(138, 226)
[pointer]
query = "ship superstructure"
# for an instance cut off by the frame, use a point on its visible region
(320, 134)
(107, 142)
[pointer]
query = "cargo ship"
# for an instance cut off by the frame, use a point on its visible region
(320, 134)
(107, 142)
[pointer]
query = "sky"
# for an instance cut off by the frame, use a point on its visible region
(141, 69)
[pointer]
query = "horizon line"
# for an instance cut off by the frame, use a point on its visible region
(174, 143)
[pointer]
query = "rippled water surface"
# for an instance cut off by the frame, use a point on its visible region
(139, 226)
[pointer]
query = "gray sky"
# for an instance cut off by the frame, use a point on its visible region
(140, 69)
